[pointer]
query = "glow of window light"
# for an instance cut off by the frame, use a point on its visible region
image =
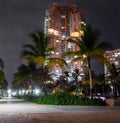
(53, 31)
(57, 40)
(57, 53)
(75, 56)
(57, 71)
(62, 27)
(116, 63)
(75, 62)
(68, 61)
(52, 52)
(81, 32)
(82, 22)
(84, 56)
(109, 82)
(75, 34)
(63, 16)
(111, 87)
(117, 54)
(69, 45)
(49, 18)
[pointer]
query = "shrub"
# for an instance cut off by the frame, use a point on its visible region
(64, 98)
(1, 96)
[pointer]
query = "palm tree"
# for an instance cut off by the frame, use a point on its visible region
(22, 76)
(3, 82)
(89, 48)
(39, 53)
(1, 64)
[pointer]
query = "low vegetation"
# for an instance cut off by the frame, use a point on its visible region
(1, 97)
(64, 99)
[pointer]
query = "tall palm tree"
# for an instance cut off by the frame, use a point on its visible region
(22, 76)
(39, 53)
(1, 64)
(3, 82)
(89, 48)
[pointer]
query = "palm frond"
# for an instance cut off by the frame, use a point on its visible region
(31, 48)
(104, 45)
(26, 53)
(1, 63)
(57, 61)
(75, 41)
(70, 53)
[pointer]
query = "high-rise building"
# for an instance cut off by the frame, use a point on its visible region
(62, 22)
(114, 58)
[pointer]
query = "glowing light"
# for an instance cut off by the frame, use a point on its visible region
(82, 22)
(57, 71)
(57, 53)
(14, 93)
(77, 33)
(9, 93)
(62, 27)
(52, 52)
(20, 92)
(81, 32)
(37, 91)
(75, 56)
(69, 45)
(53, 31)
(84, 56)
(68, 61)
(57, 40)
(23, 91)
(75, 62)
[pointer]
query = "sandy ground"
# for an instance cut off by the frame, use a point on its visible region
(109, 117)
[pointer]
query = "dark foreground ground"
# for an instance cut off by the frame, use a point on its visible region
(14, 110)
(108, 117)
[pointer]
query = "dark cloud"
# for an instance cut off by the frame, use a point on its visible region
(18, 18)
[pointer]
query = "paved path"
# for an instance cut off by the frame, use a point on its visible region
(17, 111)
(17, 106)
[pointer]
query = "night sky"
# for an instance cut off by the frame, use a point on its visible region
(18, 18)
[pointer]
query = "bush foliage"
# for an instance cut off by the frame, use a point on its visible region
(1, 97)
(64, 99)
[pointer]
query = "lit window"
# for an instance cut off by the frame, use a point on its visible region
(57, 53)
(62, 16)
(116, 63)
(62, 27)
(57, 71)
(52, 52)
(68, 61)
(75, 62)
(75, 56)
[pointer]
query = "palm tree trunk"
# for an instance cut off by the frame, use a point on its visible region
(90, 78)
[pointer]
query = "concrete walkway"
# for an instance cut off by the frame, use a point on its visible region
(18, 111)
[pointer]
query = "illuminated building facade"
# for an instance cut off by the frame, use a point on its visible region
(62, 22)
(114, 58)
